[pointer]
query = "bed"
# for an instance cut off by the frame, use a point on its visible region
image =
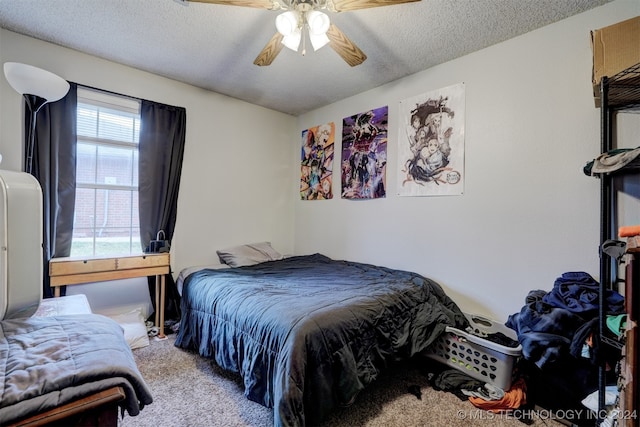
(308, 333)
(59, 365)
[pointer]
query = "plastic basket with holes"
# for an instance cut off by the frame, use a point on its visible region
(478, 357)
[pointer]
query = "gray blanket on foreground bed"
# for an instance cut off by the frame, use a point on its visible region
(49, 361)
(308, 333)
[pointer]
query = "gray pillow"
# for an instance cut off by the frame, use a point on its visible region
(251, 254)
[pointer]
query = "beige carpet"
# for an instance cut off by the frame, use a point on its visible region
(189, 390)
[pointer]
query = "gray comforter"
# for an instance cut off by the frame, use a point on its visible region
(308, 333)
(49, 361)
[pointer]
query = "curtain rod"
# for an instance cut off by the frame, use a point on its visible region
(111, 92)
(135, 98)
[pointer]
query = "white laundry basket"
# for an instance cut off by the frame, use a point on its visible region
(478, 357)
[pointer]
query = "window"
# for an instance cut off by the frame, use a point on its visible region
(106, 218)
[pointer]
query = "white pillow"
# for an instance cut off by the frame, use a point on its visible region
(251, 254)
(135, 331)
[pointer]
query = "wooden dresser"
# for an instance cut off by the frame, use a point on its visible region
(77, 270)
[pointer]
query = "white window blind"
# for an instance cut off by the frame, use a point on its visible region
(106, 210)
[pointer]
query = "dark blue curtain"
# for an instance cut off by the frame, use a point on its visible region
(162, 138)
(54, 166)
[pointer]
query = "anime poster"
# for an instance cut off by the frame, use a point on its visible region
(364, 155)
(431, 143)
(317, 162)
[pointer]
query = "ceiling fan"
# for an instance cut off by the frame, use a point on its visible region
(305, 19)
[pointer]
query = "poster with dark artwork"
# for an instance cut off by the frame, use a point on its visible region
(318, 144)
(431, 143)
(364, 155)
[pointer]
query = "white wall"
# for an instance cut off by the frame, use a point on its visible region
(528, 213)
(237, 166)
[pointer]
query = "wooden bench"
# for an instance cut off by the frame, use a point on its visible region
(98, 409)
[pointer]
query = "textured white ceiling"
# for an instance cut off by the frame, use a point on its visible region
(213, 46)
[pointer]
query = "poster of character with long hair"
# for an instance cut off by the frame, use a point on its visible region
(317, 162)
(431, 143)
(364, 154)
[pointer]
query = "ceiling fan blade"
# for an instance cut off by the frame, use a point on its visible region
(345, 47)
(270, 51)
(344, 5)
(260, 4)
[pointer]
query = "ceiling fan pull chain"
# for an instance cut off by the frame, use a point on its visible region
(304, 35)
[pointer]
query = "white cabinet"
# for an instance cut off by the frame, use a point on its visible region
(21, 253)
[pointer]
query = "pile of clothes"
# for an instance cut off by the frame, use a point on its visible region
(561, 351)
(561, 347)
(557, 324)
(481, 394)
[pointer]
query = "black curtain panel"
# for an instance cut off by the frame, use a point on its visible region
(162, 137)
(54, 166)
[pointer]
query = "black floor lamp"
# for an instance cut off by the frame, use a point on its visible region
(38, 87)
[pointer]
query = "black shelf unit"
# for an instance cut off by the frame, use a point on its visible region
(620, 93)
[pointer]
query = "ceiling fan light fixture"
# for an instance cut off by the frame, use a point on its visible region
(318, 22)
(318, 40)
(287, 23)
(292, 41)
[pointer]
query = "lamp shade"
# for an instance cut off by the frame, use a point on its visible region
(287, 23)
(318, 22)
(292, 41)
(29, 80)
(318, 40)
